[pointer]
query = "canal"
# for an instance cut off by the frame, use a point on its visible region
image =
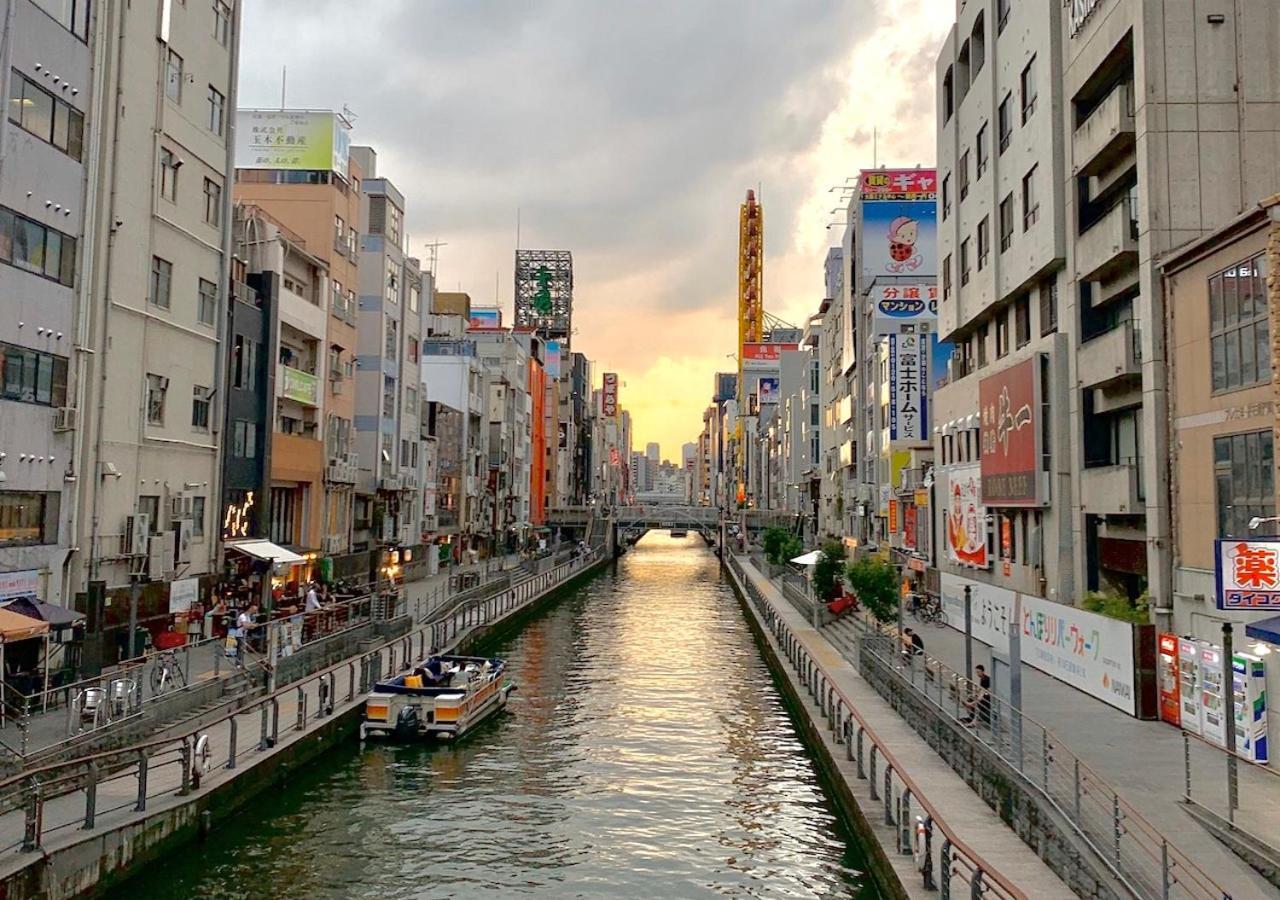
(647, 753)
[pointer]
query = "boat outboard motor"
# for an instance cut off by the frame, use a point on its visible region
(407, 723)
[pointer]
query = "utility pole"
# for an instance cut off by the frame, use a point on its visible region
(1229, 692)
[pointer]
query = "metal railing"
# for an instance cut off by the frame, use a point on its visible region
(952, 862)
(1237, 791)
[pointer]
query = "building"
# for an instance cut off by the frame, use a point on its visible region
(47, 280)
(158, 252)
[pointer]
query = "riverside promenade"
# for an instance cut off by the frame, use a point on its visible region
(72, 827)
(833, 693)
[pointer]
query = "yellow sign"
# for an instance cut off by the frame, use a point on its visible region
(300, 140)
(922, 497)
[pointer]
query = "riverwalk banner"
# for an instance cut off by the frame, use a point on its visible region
(1090, 652)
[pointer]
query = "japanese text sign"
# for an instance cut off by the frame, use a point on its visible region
(1010, 435)
(903, 307)
(609, 396)
(764, 356)
(1248, 573)
(909, 406)
(898, 223)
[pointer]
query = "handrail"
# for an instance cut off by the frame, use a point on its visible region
(996, 879)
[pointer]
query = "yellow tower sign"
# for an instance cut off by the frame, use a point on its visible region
(750, 309)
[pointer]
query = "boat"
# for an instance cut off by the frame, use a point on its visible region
(443, 697)
(679, 532)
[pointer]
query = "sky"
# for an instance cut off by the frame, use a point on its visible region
(627, 132)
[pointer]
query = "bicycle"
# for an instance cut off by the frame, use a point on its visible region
(166, 674)
(928, 611)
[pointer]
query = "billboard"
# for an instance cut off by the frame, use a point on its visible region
(904, 307)
(1248, 573)
(899, 222)
(609, 396)
(484, 317)
(300, 140)
(768, 389)
(544, 292)
(908, 401)
(764, 356)
(966, 518)
(552, 359)
(909, 517)
(1009, 403)
(20, 584)
(726, 386)
(1088, 651)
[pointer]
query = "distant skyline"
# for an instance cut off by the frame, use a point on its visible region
(627, 134)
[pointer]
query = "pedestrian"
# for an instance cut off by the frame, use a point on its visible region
(981, 701)
(313, 599)
(245, 621)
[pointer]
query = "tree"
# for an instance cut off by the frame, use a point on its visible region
(791, 547)
(875, 581)
(772, 540)
(829, 569)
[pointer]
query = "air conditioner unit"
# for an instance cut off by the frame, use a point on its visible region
(64, 418)
(137, 528)
(185, 529)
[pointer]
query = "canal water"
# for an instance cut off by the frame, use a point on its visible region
(647, 753)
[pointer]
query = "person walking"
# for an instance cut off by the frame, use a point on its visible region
(980, 702)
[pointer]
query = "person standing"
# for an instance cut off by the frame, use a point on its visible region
(245, 621)
(313, 599)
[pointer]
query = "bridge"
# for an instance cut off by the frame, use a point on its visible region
(632, 522)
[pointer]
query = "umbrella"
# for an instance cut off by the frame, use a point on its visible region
(58, 617)
(809, 559)
(16, 627)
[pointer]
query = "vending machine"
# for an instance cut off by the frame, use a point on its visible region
(1213, 700)
(1249, 679)
(1189, 684)
(1169, 675)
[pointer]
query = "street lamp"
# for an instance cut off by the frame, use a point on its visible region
(1262, 520)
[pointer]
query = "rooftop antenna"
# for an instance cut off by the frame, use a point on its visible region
(284, 83)
(433, 254)
(348, 116)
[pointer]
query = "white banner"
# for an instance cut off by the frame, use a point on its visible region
(182, 594)
(1092, 653)
(20, 584)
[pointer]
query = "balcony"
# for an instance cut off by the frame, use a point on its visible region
(1114, 489)
(297, 385)
(1111, 356)
(342, 470)
(390, 483)
(1111, 244)
(1106, 136)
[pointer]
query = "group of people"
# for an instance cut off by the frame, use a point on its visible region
(978, 703)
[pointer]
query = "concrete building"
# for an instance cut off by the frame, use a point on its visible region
(45, 213)
(155, 299)
(505, 357)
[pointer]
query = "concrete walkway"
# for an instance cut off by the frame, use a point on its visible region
(1142, 761)
(957, 805)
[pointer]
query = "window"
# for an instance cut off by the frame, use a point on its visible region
(157, 388)
(208, 302)
(197, 517)
(212, 202)
(388, 396)
(221, 22)
(40, 113)
(149, 506)
(1239, 336)
(173, 77)
(392, 342)
(36, 248)
(1006, 223)
(28, 518)
(161, 282)
(946, 278)
(414, 294)
(244, 439)
(217, 110)
(1002, 15)
(1002, 334)
(981, 147)
(1243, 470)
(200, 404)
(1030, 205)
(168, 175)
(982, 345)
(1048, 308)
(30, 376)
(1022, 320)
(964, 175)
(1004, 121)
(948, 95)
(978, 39)
(984, 242)
(340, 234)
(964, 262)
(946, 196)
(1028, 90)
(244, 363)
(72, 15)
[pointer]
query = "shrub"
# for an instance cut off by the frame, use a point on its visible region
(829, 570)
(771, 540)
(791, 547)
(875, 581)
(1116, 606)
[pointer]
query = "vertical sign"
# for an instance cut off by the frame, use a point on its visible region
(909, 526)
(1248, 573)
(1010, 433)
(609, 396)
(908, 407)
(893, 516)
(966, 518)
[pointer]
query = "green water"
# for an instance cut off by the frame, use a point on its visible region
(647, 753)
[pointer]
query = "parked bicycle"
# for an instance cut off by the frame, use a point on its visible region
(167, 674)
(927, 610)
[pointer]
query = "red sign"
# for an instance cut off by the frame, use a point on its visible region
(1010, 434)
(898, 184)
(609, 395)
(1168, 677)
(764, 356)
(909, 526)
(893, 516)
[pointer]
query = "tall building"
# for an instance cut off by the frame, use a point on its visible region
(155, 298)
(45, 216)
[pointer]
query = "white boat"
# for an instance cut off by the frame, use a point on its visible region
(443, 697)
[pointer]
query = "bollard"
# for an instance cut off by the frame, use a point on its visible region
(34, 819)
(231, 753)
(141, 805)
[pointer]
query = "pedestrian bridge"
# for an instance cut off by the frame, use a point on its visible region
(690, 518)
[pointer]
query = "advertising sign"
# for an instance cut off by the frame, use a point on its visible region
(899, 222)
(19, 584)
(908, 406)
(909, 526)
(552, 359)
(482, 317)
(298, 140)
(768, 390)
(966, 519)
(893, 516)
(1090, 652)
(1010, 434)
(295, 384)
(609, 395)
(904, 307)
(182, 594)
(1248, 573)
(726, 386)
(763, 356)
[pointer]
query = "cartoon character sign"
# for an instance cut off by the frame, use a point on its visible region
(904, 233)
(967, 520)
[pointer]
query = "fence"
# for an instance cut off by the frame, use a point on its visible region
(1238, 792)
(943, 868)
(102, 783)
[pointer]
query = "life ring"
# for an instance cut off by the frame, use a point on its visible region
(200, 759)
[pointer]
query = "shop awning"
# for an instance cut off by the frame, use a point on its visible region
(57, 616)
(267, 550)
(1264, 630)
(17, 627)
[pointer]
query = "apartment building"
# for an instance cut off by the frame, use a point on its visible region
(316, 196)
(47, 56)
(505, 356)
(155, 300)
